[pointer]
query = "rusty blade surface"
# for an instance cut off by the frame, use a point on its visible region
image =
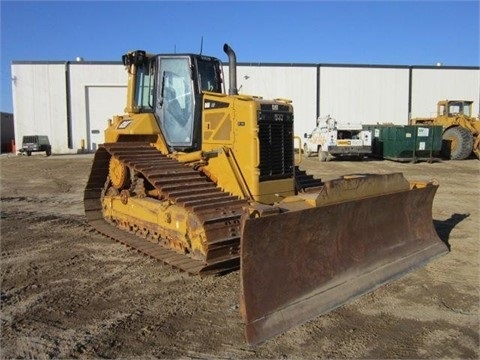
(300, 264)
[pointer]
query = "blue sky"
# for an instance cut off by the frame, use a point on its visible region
(359, 32)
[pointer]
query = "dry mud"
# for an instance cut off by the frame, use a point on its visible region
(68, 292)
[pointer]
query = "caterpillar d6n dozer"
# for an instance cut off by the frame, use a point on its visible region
(206, 181)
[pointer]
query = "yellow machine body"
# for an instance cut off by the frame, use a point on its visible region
(233, 164)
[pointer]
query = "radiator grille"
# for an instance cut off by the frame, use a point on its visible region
(276, 144)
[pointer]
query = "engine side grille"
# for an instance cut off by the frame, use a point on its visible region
(276, 143)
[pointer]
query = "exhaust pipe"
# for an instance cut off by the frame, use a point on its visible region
(232, 69)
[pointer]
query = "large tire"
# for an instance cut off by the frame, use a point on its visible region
(458, 143)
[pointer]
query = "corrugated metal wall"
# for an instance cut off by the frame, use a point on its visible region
(39, 98)
(431, 85)
(298, 84)
(350, 93)
(40, 93)
(364, 95)
(98, 92)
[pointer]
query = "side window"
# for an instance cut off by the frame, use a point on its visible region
(442, 110)
(209, 76)
(144, 87)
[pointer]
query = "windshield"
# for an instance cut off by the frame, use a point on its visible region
(460, 107)
(454, 108)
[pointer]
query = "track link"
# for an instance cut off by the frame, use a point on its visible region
(219, 212)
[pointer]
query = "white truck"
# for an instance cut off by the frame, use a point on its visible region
(331, 138)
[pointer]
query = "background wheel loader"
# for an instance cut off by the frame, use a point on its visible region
(206, 181)
(461, 131)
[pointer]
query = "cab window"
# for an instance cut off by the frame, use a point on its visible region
(209, 74)
(144, 87)
(176, 100)
(455, 108)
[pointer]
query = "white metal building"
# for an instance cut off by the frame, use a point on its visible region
(71, 102)
(68, 101)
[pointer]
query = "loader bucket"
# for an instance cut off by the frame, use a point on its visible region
(299, 264)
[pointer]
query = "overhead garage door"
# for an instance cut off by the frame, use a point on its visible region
(102, 103)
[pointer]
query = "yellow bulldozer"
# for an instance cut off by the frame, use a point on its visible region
(461, 131)
(206, 181)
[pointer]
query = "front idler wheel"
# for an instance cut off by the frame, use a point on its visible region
(119, 174)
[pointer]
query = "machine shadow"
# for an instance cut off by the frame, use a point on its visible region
(445, 227)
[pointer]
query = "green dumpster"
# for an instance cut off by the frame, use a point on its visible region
(406, 143)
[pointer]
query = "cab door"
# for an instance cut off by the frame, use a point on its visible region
(175, 100)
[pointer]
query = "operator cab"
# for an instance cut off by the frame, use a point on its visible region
(171, 86)
(455, 108)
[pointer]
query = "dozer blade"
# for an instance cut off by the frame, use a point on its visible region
(300, 264)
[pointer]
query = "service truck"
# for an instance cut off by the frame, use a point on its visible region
(331, 138)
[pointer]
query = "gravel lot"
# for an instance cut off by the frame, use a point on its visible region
(68, 292)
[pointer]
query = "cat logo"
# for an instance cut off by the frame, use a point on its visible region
(124, 124)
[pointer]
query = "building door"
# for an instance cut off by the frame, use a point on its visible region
(102, 103)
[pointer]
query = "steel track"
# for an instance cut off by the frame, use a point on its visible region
(218, 212)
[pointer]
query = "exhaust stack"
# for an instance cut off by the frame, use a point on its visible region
(232, 69)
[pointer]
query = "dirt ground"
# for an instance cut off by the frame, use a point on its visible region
(68, 292)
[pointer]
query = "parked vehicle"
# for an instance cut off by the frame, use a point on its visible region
(331, 138)
(36, 143)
